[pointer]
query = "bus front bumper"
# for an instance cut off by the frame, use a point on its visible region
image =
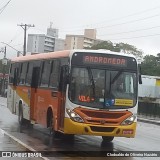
(71, 127)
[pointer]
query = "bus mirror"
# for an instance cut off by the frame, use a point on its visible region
(140, 77)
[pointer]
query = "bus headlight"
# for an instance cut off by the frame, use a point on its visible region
(129, 120)
(74, 116)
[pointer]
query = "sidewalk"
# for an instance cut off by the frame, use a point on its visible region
(148, 119)
(3, 101)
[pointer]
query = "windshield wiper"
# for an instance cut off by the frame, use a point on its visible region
(92, 80)
(116, 76)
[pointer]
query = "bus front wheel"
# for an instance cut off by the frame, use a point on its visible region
(107, 138)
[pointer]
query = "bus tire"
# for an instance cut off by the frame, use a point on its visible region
(20, 115)
(107, 138)
(50, 125)
(69, 137)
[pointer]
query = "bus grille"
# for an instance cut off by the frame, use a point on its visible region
(100, 122)
(102, 129)
(102, 117)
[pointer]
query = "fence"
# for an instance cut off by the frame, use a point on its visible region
(151, 110)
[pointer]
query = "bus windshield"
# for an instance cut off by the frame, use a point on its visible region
(103, 88)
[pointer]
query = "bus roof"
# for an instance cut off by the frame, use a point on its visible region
(64, 53)
(39, 56)
(103, 51)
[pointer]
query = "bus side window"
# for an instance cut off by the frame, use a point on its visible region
(54, 77)
(11, 75)
(14, 73)
(64, 61)
(23, 73)
(45, 74)
(15, 76)
(29, 73)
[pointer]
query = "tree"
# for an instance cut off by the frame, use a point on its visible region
(130, 49)
(151, 65)
(108, 45)
(119, 47)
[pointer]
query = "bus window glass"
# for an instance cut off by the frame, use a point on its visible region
(11, 76)
(64, 61)
(23, 73)
(53, 82)
(99, 88)
(29, 73)
(45, 74)
(87, 86)
(122, 86)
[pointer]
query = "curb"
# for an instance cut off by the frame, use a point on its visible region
(21, 143)
(148, 121)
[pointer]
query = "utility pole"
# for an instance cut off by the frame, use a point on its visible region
(4, 63)
(25, 27)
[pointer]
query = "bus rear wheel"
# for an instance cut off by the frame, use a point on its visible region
(107, 138)
(51, 130)
(20, 116)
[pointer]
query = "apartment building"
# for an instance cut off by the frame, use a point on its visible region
(82, 41)
(40, 43)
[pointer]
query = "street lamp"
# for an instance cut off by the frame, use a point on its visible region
(18, 52)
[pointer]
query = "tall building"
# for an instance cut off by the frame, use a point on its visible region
(40, 43)
(35, 43)
(81, 41)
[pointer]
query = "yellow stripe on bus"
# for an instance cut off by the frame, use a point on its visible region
(123, 102)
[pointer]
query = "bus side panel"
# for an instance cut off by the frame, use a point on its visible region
(23, 95)
(11, 98)
(44, 100)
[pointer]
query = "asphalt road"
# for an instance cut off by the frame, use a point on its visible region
(147, 139)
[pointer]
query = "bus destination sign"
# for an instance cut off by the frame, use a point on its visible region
(101, 60)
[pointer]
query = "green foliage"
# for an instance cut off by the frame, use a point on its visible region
(124, 47)
(151, 65)
(130, 49)
(108, 45)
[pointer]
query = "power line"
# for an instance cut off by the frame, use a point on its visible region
(137, 37)
(11, 47)
(14, 38)
(118, 18)
(123, 23)
(2, 9)
(130, 31)
(136, 20)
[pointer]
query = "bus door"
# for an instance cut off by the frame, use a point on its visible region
(34, 85)
(11, 93)
(62, 88)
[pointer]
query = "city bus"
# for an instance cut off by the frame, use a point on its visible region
(76, 92)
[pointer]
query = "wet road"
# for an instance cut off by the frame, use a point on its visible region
(147, 139)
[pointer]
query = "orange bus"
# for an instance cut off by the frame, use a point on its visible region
(82, 92)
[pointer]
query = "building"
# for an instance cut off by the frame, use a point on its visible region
(40, 43)
(82, 41)
(149, 90)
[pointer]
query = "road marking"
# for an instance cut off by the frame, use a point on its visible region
(20, 142)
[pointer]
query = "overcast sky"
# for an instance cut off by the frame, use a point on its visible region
(136, 22)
